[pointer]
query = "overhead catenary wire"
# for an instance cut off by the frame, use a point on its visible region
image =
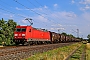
(10, 11)
(18, 14)
(30, 9)
(9, 5)
(13, 12)
(33, 11)
(24, 16)
(46, 9)
(44, 13)
(27, 7)
(36, 12)
(35, 6)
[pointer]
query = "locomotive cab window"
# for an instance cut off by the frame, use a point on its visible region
(23, 29)
(18, 29)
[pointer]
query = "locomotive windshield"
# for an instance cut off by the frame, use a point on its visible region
(20, 29)
(23, 29)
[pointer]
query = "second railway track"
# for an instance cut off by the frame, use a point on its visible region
(78, 54)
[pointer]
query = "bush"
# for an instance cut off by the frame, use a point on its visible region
(88, 40)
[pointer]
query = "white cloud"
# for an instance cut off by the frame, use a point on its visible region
(23, 21)
(45, 7)
(56, 25)
(85, 1)
(64, 15)
(38, 9)
(10, 16)
(72, 1)
(86, 16)
(70, 14)
(55, 5)
(57, 28)
(18, 8)
(87, 7)
(60, 28)
(40, 18)
(69, 25)
(83, 5)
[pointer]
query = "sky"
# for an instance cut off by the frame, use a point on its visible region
(69, 16)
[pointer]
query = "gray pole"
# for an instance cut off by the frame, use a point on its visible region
(58, 30)
(77, 33)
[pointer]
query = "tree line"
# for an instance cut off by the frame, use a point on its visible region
(7, 31)
(88, 38)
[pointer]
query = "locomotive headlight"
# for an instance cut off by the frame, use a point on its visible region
(23, 34)
(15, 34)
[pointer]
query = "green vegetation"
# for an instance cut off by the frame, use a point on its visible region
(88, 51)
(56, 54)
(6, 31)
(78, 53)
(67, 34)
(88, 38)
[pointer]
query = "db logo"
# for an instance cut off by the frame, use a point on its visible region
(19, 34)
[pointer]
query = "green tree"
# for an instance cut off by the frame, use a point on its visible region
(64, 33)
(6, 31)
(2, 36)
(88, 38)
(70, 35)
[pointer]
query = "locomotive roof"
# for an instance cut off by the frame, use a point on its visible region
(23, 26)
(32, 27)
(41, 29)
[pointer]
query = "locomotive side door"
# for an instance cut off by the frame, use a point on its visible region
(29, 34)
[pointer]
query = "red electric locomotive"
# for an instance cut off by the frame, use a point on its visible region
(28, 34)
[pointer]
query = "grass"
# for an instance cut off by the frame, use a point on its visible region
(55, 54)
(88, 51)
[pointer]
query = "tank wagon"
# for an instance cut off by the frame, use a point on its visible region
(29, 35)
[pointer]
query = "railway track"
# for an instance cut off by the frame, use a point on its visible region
(78, 54)
(21, 52)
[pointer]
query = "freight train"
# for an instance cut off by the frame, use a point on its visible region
(28, 35)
